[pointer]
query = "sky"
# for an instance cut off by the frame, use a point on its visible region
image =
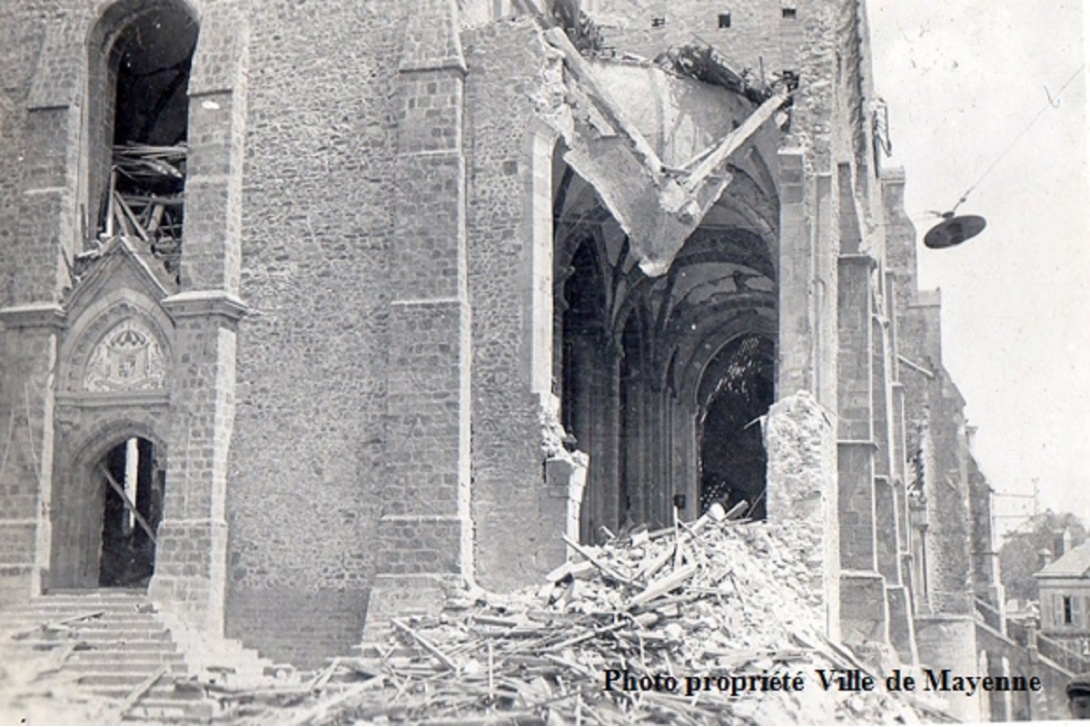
(963, 80)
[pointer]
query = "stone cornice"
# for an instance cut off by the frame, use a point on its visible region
(124, 399)
(34, 315)
(859, 258)
(205, 304)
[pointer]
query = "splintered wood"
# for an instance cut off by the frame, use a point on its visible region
(145, 198)
(645, 629)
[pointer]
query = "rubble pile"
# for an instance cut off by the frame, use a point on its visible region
(699, 60)
(710, 623)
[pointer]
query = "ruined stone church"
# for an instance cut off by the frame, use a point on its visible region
(311, 311)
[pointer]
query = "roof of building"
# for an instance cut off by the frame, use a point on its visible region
(1072, 564)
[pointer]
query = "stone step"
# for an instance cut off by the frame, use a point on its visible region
(33, 619)
(164, 645)
(85, 601)
(170, 712)
(119, 678)
(164, 689)
(97, 636)
(66, 612)
(108, 655)
(122, 665)
(78, 608)
(102, 592)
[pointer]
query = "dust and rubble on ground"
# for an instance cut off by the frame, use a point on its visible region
(716, 621)
(711, 622)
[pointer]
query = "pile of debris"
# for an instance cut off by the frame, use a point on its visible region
(710, 623)
(146, 199)
(701, 61)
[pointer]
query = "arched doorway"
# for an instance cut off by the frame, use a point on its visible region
(736, 392)
(133, 485)
(107, 504)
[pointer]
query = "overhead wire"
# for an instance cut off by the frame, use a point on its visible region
(1052, 102)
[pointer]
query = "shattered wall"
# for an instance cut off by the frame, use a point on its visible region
(513, 84)
(801, 440)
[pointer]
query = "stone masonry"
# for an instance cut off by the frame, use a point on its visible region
(448, 289)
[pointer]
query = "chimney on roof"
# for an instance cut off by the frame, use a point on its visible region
(1044, 557)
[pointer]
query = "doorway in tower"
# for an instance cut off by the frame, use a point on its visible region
(736, 393)
(132, 486)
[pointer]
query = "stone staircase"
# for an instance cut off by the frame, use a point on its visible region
(110, 648)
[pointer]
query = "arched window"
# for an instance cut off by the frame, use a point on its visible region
(139, 117)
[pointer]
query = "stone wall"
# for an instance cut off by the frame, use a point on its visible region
(306, 466)
(511, 76)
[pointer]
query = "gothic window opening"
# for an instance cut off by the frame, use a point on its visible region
(582, 338)
(733, 461)
(144, 126)
(133, 484)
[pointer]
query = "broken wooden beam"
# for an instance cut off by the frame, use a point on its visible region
(128, 503)
(598, 563)
(115, 714)
(664, 585)
(428, 646)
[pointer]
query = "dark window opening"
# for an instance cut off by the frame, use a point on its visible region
(584, 299)
(1067, 611)
(724, 20)
(133, 485)
(631, 409)
(789, 13)
(149, 66)
(733, 460)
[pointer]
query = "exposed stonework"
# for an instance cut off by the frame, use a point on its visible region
(449, 289)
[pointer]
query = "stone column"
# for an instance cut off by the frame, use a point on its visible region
(857, 449)
(191, 555)
(800, 439)
(28, 348)
(795, 369)
(46, 236)
(864, 606)
(949, 642)
(425, 533)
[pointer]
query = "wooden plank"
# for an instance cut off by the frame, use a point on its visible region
(128, 503)
(596, 561)
(428, 646)
(320, 713)
(664, 585)
(110, 204)
(132, 218)
(115, 714)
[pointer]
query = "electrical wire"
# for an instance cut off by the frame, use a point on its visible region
(1052, 102)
